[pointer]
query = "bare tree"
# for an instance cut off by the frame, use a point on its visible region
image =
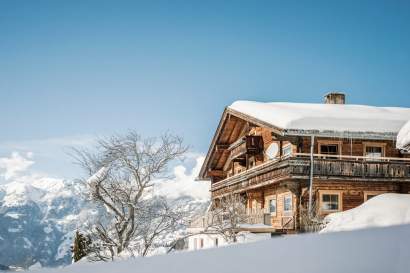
(226, 217)
(122, 170)
(159, 219)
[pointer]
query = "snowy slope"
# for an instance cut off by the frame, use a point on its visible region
(383, 250)
(403, 137)
(323, 117)
(383, 210)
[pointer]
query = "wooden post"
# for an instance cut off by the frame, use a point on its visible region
(312, 145)
(280, 148)
(297, 214)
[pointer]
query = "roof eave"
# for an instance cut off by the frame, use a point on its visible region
(202, 172)
(229, 111)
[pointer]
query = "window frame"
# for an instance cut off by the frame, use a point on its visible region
(374, 193)
(321, 143)
(329, 192)
(374, 144)
(284, 203)
(285, 147)
(276, 206)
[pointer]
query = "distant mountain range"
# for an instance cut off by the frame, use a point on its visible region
(38, 220)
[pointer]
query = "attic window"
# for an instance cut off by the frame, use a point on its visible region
(374, 150)
(329, 149)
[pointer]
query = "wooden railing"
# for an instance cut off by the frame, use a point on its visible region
(247, 145)
(352, 157)
(238, 150)
(355, 166)
(254, 216)
(250, 216)
(326, 166)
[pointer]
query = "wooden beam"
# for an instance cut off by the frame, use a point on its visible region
(219, 173)
(221, 147)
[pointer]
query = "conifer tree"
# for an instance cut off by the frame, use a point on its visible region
(80, 247)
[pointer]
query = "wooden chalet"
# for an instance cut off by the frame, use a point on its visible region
(285, 158)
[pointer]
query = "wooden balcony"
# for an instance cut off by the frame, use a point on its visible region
(250, 145)
(297, 166)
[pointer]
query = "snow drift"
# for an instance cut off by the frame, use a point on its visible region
(403, 137)
(383, 210)
(365, 251)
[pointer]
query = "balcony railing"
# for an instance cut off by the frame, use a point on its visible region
(248, 145)
(324, 166)
(250, 217)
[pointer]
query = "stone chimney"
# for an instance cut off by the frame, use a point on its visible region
(335, 98)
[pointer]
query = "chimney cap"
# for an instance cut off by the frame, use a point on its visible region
(335, 97)
(334, 93)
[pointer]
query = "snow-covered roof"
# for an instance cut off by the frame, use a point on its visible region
(345, 118)
(403, 137)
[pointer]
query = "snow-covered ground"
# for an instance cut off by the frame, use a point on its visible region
(383, 210)
(403, 137)
(383, 250)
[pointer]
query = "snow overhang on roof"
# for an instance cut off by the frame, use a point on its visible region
(403, 138)
(335, 120)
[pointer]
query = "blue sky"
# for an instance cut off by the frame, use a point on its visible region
(73, 70)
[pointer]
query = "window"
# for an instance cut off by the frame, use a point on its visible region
(272, 206)
(374, 151)
(201, 243)
(287, 203)
(329, 149)
(330, 202)
(216, 242)
(287, 150)
(370, 194)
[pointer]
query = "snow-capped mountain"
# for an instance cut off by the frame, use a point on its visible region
(37, 220)
(39, 214)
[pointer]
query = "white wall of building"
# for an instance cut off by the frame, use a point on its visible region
(203, 241)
